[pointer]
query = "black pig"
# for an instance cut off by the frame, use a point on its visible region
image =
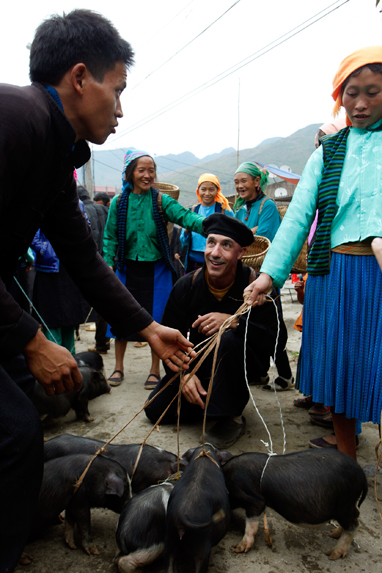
(307, 488)
(104, 485)
(93, 385)
(141, 527)
(198, 512)
(155, 464)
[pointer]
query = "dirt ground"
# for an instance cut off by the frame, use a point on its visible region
(294, 550)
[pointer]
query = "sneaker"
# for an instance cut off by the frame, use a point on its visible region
(224, 433)
(323, 421)
(280, 384)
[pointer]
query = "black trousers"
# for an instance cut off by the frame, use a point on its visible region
(229, 392)
(102, 341)
(21, 460)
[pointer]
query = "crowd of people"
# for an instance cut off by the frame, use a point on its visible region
(117, 259)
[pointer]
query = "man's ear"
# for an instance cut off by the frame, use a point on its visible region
(241, 253)
(78, 76)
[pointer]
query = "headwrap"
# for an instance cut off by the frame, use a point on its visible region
(362, 57)
(219, 198)
(229, 227)
(255, 171)
(130, 155)
(333, 127)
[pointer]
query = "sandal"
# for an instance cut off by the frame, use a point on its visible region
(150, 384)
(139, 344)
(305, 403)
(116, 380)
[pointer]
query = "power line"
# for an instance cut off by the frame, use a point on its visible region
(165, 26)
(185, 46)
(262, 51)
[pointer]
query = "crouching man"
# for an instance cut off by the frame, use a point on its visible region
(199, 303)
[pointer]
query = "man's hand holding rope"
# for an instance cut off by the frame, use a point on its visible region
(210, 323)
(192, 389)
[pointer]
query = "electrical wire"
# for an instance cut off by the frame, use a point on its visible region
(186, 45)
(256, 55)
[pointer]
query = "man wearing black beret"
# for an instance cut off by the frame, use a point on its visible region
(199, 303)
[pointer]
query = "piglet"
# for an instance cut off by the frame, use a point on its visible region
(104, 485)
(141, 527)
(155, 464)
(93, 385)
(308, 488)
(198, 512)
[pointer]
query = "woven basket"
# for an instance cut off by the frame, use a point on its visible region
(255, 253)
(169, 189)
(300, 264)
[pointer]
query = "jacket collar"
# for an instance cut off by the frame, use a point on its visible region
(78, 152)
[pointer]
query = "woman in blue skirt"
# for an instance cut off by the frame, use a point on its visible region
(341, 361)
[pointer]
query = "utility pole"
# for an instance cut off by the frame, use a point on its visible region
(89, 179)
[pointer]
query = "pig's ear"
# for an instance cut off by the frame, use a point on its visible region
(223, 456)
(114, 485)
(188, 455)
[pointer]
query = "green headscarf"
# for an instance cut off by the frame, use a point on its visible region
(251, 169)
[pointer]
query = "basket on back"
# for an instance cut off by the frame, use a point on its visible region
(255, 253)
(167, 188)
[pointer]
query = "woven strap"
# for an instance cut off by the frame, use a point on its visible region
(356, 248)
(334, 147)
(262, 205)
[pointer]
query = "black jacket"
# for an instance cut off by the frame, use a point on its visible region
(37, 190)
(191, 297)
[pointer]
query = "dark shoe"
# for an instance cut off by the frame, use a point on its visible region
(318, 410)
(323, 421)
(321, 443)
(224, 433)
(98, 350)
(260, 381)
(152, 384)
(280, 384)
(116, 380)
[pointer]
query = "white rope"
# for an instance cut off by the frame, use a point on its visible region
(36, 311)
(269, 444)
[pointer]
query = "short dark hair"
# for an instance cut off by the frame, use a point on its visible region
(375, 68)
(82, 36)
(130, 169)
(82, 192)
(104, 197)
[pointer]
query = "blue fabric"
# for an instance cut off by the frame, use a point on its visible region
(341, 362)
(158, 288)
(46, 258)
(54, 93)
(268, 222)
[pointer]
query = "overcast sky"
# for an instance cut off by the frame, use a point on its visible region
(281, 91)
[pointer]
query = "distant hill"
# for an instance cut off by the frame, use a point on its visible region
(107, 165)
(184, 169)
(293, 151)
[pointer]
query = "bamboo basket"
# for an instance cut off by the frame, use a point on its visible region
(169, 189)
(255, 253)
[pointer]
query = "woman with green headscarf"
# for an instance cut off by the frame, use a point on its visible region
(252, 206)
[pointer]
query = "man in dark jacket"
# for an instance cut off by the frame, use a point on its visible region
(78, 66)
(199, 303)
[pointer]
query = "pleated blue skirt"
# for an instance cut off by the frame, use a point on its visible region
(341, 362)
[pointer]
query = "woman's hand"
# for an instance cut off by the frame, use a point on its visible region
(52, 365)
(376, 245)
(192, 390)
(258, 289)
(210, 323)
(169, 344)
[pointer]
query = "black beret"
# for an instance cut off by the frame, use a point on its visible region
(229, 227)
